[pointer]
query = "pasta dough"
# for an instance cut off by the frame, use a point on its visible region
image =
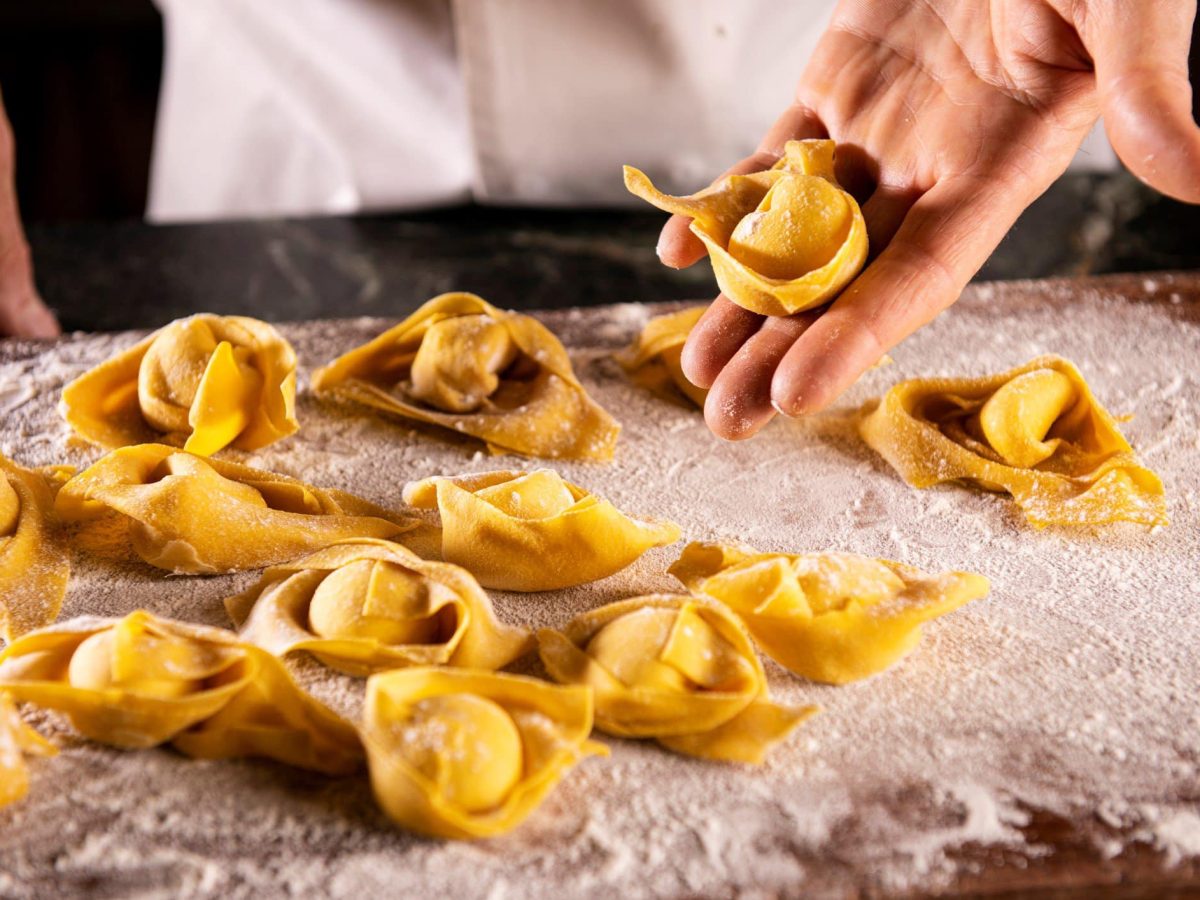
(17, 740)
(460, 363)
(1036, 432)
(206, 381)
(188, 514)
(831, 617)
(457, 753)
(782, 240)
(532, 531)
(677, 669)
(141, 681)
(653, 360)
(364, 606)
(34, 563)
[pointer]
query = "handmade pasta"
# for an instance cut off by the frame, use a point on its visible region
(462, 754)
(364, 606)
(782, 240)
(206, 382)
(677, 669)
(1035, 432)
(832, 617)
(188, 514)
(462, 364)
(533, 531)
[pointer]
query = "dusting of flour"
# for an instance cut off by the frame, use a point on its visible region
(1070, 692)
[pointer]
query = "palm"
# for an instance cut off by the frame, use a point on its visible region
(951, 116)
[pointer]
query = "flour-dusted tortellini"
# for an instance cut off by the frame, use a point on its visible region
(142, 681)
(206, 381)
(34, 562)
(677, 669)
(1035, 432)
(653, 361)
(456, 753)
(782, 240)
(364, 606)
(17, 741)
(831, 617)
(193, 515)
(460, 363)
(533, 531)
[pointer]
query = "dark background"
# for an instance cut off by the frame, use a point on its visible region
(80, 80)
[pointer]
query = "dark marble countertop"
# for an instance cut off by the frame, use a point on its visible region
(107, 276)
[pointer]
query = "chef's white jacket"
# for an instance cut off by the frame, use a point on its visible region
(300, 107)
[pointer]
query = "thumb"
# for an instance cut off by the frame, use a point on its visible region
(1140, 52)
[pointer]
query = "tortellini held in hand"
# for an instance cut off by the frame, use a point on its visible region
(364, 606)
(206, 381)
(533, 531)
(34, 562)
(188, 514)
(457, 753)
(782, 240)
(653, 361)
(17, 740)
(677, 669)
(1035, 432)
(141, 681)
(830, 617)
(460, 363)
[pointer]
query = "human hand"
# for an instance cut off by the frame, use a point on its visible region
(22, 312)
(951, 117)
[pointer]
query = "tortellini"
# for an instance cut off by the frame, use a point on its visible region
(1036, 432)
(17, 740)
(206, 381)
(830, 617)
(460, 363)
(456, 753)
(653, 359)
(363, 606)
(782, 240)
(677, 669)
(533, 531)
(142, 681)
(188, 514)
(34, 563)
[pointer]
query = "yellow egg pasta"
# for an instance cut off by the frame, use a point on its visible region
(677, 669)
(193, 515)
(460, 754)
(533, 531)
(1035, 432)
(142, 681)
(205, 382)
(830, 617)
(653, 359)
(17, 740)
(363, 606)
(35, 565)
(460, 363)
(782, 240)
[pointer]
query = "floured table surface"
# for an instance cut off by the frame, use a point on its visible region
(1048, 736)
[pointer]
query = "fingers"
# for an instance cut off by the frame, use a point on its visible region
(677, 246)
(942, 242)
(23, 314)
(739, 403)
(713, 341)
(1140, 51)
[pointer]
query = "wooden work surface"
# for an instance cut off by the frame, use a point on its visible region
(1042, 741)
